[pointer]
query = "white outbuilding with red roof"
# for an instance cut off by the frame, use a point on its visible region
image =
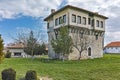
(17, 50)
(113, 47)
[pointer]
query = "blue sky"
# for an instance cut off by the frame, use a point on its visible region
(9, 28)
(25, 15)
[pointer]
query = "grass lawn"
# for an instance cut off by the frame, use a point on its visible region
(106, 68)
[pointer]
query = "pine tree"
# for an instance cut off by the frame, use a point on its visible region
(31, 44)
(1, 48)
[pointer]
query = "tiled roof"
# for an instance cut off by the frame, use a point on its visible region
(114, 44)
(73, 7)
(15, 46)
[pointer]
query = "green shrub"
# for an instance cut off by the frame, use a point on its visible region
(8, 74)
(8, 54)
(1, 56)
(31, 75)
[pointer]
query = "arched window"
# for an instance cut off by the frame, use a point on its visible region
(89, 51)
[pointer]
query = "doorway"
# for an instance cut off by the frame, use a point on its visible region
(89, 51)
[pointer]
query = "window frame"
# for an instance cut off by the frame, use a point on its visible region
(17, 54)
(74, 18)
(79, 19)
(97, 23)
(48, 25)
(93, 23)
(89, 21)
(101, 24)
(89, 51)
(60, 20)
(64, 18)
(84, 20)
(56, 22)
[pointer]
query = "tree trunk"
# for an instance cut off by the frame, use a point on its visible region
(79, 55)
(63, 58)
(32, 54)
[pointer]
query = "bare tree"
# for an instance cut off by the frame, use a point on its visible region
(81, 41)
(32, 41)
(23, 35)
(20, 37)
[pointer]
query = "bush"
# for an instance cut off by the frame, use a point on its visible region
(8, 54)
(31, 75)
(1, 56)
(9, 74)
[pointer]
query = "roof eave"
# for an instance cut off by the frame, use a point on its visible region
(69, 6)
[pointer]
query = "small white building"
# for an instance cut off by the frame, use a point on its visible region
(113, 47)
(16, 49)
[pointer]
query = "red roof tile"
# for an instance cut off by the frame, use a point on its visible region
(114, 44)
(15, 46)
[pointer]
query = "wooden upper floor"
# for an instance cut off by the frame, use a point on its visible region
(74, 16)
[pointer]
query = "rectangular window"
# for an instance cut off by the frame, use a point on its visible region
(17, 54)
(60, 20)
(56, 21)
(84, 20)
(64, 19)
(97, 23)
(79, 19)
(92, 23)
(101, 24)
(48, 25)
(73, 18)
(89, 21)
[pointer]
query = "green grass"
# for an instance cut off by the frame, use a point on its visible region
(106, 68)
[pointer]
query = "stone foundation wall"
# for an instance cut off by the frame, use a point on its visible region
(96, 46)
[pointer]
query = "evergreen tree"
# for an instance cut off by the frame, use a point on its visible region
(43, 47)
(63, 44)
(40, 49)
(1, 48)
(31, 45)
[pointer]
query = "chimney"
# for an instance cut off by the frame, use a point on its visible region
(52, 11)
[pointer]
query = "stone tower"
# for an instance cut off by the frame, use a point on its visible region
(81, 23)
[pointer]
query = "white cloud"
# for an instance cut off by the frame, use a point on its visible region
(35, 8)
(38, 8)
(41, 8)
(109, 8)
(112, 36)
(101, 6)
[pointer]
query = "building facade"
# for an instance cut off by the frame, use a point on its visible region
(81, 22)
(113, 47)
(17, 50)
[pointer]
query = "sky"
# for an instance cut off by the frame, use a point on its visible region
(24, 15)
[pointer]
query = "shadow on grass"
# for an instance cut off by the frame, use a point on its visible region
(22, 78)
(58, 61)
(47, 60)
